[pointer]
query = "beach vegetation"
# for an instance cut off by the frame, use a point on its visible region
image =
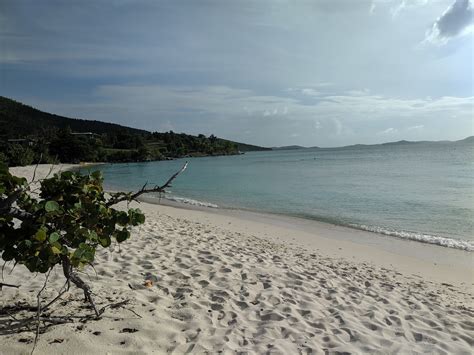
(64, 220)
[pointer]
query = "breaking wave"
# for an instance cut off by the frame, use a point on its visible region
(420, 237)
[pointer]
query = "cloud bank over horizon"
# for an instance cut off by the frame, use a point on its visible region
(323, 73)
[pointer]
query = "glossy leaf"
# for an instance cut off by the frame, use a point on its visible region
(51, 206)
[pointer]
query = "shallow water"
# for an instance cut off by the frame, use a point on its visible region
(422, 192)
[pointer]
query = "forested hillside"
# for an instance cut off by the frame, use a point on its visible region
(28, 135)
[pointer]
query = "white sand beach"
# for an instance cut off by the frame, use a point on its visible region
(236, 282)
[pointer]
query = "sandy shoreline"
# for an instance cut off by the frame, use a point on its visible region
(235, 281)
(429, 261)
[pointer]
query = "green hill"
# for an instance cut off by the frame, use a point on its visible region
(18, 120)
(28, 132)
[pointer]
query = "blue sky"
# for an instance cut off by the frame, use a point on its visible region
(326, 73)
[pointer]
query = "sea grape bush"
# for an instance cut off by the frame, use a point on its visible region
(64, 222)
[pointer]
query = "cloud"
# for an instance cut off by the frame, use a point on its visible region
(417, 127)
(310, 92)
(227, 102)
(352, 116)
(397, 6)
(338, 125)
(457, 20)
(390, 130)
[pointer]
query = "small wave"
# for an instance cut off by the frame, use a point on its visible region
(420, 237)
(190, 201)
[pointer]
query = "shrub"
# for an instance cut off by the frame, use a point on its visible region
(19, 155)
(66, 225)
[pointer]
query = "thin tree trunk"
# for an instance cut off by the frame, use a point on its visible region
(76, 280)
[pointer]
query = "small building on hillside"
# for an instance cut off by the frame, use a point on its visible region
(22, 141)
(86, 134)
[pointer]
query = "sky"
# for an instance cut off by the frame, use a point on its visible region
(273, 73)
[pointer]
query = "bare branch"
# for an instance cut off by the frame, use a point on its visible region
(36, 167)
(38, 314)
(168, 183)
(144, 190)
(62, 291)
(3, 269)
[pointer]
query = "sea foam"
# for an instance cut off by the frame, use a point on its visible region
(190, 201)
(420, 237)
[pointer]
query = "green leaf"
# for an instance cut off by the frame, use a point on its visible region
(88, 256)
(54, 237)
(136, 216)
(67, 174)
(55, 250)
(122, 235)
(51, 206)
(41, 235)
(97, 175)
(105, 241)
(93, 235)
(8, 254)
(122, 218)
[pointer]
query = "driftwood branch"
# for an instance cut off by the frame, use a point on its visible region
(144, 190)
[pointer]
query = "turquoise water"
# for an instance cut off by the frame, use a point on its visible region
(422, 192)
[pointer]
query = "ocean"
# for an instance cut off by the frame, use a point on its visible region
(417, 191)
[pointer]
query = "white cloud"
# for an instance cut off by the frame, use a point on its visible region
(229, 112)
(396, 6)
(417, 127)
(339, 126)
(310, 92)
(228, 103)
(390, 130)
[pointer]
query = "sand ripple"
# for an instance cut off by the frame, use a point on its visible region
(217, 291)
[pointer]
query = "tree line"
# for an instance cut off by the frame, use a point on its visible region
(66, 146)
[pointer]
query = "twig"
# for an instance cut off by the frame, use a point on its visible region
(62, 291)
(113, 305)
(117, 305)
(131, 310)
(144, 190)
(50, 171)
(8, 285)
(36, 167)
(38, 314)
(93, 268)
(3, 269)
(13, 268)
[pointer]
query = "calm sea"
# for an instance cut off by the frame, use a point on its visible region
(421, 192)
